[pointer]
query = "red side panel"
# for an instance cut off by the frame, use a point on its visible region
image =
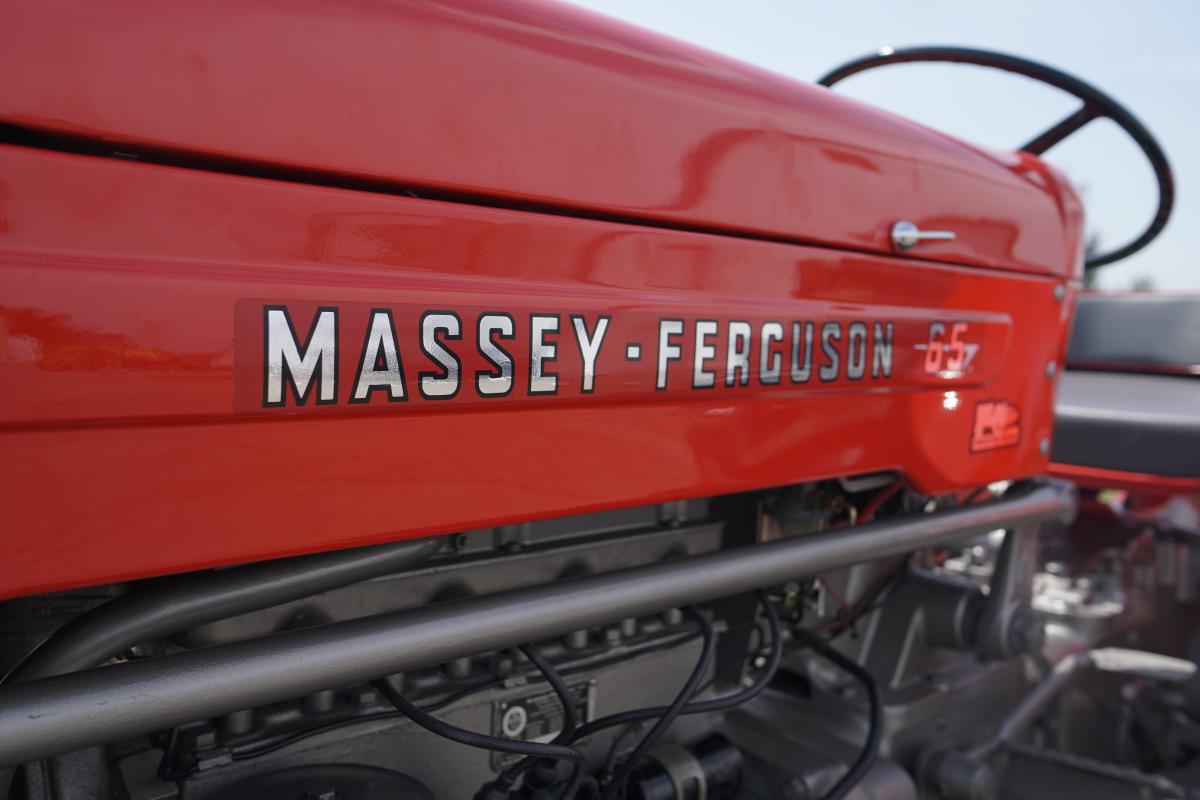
(521, 102)
(1100, 478)
(136, 438)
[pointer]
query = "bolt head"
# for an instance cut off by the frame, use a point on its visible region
(1044, 446)
(1051, 368)
(1060, 291)
(204, 738)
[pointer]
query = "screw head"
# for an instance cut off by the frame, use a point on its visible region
(1060, 291)
(1044, 446)
(1051, 368)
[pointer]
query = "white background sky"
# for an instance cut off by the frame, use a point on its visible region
(1144, 53)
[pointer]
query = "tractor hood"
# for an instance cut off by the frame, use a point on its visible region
(533, 105)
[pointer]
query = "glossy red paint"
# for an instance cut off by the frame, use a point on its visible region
(521, 102)
(124, 454)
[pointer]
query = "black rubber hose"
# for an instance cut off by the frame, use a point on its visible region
(181, 601)
(616, 785)
(870, 750)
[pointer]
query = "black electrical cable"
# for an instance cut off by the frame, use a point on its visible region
(247, 752)
(472, 738)
(617, 784)
(568, 709)
(560, 688)
(510, 776)
(259, 750)
(513, 773)
(665, 720)
(705, 706)
(166, 771)
(765, 677)
(610, 757)
(870, 750)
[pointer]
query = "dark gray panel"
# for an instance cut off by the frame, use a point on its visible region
(1136, 332)
(1134, 423)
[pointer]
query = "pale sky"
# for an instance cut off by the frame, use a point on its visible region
(1145, 54)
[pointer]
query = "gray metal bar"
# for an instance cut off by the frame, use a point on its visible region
(181, 601)
(82, 709)
(1133, 663)
(1033, 704)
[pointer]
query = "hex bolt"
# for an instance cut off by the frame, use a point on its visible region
(612, 635)
(319, 702)
(673, 616)
(629, 627)
(576, 640)
(459, 668)
(238, 722)
(503, 663)
(364, 697)
(203, 737)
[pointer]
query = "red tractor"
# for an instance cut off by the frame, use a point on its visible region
(491, 400)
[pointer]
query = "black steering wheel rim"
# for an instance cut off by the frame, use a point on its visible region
(1096, 105)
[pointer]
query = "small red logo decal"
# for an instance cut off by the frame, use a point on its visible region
(997, 425)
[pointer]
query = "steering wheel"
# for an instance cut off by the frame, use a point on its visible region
(1096, 104)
